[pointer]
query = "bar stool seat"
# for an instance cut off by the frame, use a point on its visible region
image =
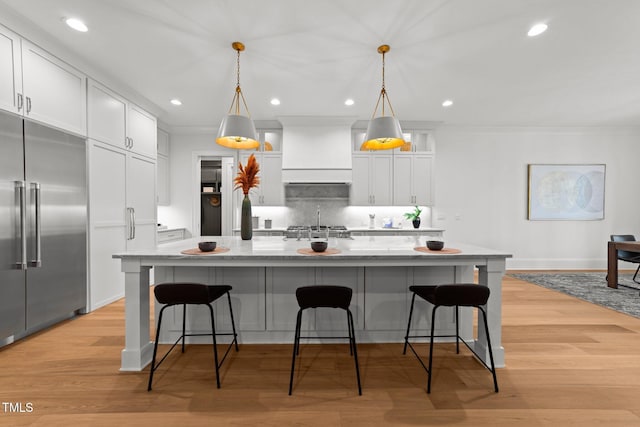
(328, 296)
(171, 294)
(450, 295)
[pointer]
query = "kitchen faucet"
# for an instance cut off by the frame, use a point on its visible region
(318, 215)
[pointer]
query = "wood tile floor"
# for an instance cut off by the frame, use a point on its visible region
(569, 363)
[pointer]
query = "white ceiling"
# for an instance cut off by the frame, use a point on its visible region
(313, 54)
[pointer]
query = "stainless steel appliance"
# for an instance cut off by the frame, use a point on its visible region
(306, 231)
(43, 226)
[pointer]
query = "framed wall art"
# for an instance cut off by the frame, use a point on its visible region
(566, 192)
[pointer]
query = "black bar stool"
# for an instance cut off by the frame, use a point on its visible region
(453, 295)
(172, 294)
(324, 296)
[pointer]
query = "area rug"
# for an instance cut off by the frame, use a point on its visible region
(591, 287)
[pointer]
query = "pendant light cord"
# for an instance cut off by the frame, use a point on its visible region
(383, 92)
(238, 95)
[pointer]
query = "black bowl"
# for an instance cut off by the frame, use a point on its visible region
(435, 245)
(207, 246)
(319, 246)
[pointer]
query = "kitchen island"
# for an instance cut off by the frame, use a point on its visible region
(265, 272)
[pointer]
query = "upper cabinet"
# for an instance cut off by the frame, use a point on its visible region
(398, 177)
(114, 120)
(412, 179)
(39, 86)
(164, 198)
(10, 70)
(372, 178)
(270, 192)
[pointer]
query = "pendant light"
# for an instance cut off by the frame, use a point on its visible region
(237, 131)
(383, 133)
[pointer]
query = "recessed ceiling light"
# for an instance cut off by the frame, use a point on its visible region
(176, 102)
(537, 29)
(76, 24)
(349, 102)
(275, 101)
(447, 103)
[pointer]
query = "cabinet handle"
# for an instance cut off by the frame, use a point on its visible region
(28, 104)
(131, 142)
(133, 223)
(20, 101)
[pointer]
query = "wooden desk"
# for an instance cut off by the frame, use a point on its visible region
(612, 259)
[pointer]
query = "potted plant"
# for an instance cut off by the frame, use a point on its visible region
(247, 179)
(414, 216)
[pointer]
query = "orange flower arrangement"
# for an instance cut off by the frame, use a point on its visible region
(248, 175)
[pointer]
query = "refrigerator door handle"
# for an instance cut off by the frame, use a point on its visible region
(128, 222)
(20, 188)
(38, 225)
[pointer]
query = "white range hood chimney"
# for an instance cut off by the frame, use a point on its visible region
(316, 149)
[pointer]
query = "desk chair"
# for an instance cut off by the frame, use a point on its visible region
(454, 295)
(633, 257)
(184, 294)
(324, 296)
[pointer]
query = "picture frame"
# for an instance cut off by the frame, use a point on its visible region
(573, 192)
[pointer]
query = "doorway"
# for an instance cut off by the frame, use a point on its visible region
(213, 204)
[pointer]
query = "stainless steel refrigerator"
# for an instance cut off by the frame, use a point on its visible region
(43, 226)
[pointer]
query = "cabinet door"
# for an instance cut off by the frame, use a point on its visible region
(422, 175)
(107, 203)
(163, 142)
(360, 194)
(55, 93)
(107, 115)
(381, 178)
(10, 70)
(163, 181)
(271, 180)
(403, 180)
(142, 130)
(141, 197)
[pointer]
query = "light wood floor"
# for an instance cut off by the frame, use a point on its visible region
(569, 363)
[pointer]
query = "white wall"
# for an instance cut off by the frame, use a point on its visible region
(481, 177)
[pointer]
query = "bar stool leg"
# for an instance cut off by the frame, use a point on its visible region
(493, 366)
(155, 349)
(184, 321)
(233, 322)
(406, 336)
(457, 333)
(352, 342)
(296, 344)
(215, 345)
(433, 323)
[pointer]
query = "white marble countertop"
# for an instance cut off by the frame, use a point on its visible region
(385, 249)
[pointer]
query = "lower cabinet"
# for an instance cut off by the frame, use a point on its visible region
(265, 306)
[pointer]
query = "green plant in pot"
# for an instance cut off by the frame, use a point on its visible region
(414, 216)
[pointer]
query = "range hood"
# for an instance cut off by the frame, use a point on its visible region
(316, 149)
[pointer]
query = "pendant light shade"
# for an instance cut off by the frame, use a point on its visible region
(238, 131)
(384, 132)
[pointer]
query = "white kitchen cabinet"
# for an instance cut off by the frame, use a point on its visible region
(282, 307)
(270, 192)
(10, 70)
(39, 86)
(172, 235)
(164, 192)
(412, 179)
(372, 179)
(116, 121)
(122, 215)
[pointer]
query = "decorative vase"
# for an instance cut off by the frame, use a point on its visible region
(246, 226)
(416, 223)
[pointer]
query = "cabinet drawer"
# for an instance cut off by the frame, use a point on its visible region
(170, 236)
